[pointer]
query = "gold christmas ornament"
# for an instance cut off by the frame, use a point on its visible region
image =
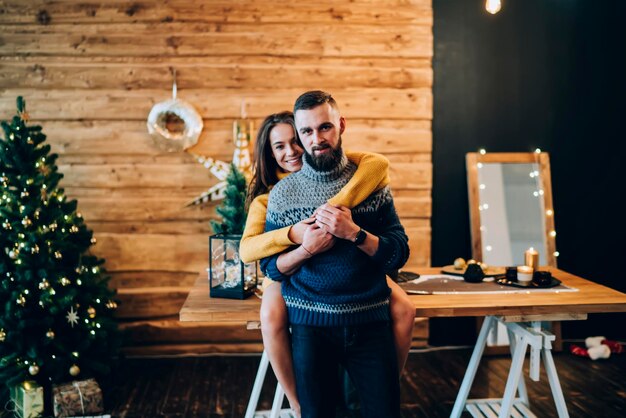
(3, 335)
(44, 284)
(33, 370)
(92, 312)
(26, 222)
(74, 370)
(13, 254)
(6, 226)
(50, 334)
(53, 226)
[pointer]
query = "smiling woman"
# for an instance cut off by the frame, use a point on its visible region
(286, 149)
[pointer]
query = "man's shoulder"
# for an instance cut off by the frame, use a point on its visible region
(375, 201)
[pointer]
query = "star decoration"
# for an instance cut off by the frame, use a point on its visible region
(72, 317)
(24, 116)
(241, 158)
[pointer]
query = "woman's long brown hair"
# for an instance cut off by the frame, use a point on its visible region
(265, 165)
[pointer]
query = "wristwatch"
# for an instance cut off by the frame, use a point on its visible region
(360, 237)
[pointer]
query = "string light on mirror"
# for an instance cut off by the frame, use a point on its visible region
(488, 176)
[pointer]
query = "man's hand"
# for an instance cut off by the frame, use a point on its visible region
(337, 221)
(316, 240)
(296, 232)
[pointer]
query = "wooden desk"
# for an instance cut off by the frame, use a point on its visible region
(591, 298)
(521, 313)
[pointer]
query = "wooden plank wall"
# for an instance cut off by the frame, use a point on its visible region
(90, 72)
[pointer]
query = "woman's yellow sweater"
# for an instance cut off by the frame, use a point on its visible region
(371, 175)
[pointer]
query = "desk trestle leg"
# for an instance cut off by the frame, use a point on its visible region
(279, 395)
(522, 338)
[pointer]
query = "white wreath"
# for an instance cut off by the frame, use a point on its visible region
(169, 140)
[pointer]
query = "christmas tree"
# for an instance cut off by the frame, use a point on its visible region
(233, 208)
(56, 310)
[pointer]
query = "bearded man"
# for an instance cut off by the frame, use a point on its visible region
(334, 283)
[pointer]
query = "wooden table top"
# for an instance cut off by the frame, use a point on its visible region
(590, 298)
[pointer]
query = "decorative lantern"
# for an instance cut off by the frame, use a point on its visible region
(229, 277)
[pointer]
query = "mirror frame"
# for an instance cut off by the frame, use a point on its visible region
(542, 159)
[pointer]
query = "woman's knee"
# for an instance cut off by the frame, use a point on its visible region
(273, 314)
(403, 311)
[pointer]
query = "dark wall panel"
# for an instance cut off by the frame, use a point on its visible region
(541, 73)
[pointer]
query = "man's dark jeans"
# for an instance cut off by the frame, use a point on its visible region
(368, 354)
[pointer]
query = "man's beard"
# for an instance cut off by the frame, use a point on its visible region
(324, 162)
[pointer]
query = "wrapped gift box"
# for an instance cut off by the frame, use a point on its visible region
(82, 397)
(28, 399)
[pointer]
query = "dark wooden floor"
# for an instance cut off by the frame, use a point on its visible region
(219, 386)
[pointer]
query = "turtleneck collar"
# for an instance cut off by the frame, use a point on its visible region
(308, 171)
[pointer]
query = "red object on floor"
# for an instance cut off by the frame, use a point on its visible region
(578, 351)
(616, 348)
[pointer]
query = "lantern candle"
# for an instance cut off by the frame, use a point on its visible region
(531, 258)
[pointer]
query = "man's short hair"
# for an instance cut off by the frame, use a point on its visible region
(312, 99)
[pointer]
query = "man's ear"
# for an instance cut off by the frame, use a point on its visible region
(342, 124)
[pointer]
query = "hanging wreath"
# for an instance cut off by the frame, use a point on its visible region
(174, 124)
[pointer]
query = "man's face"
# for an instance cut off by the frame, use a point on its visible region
(320, 132)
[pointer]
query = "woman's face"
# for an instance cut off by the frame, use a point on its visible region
(285, 148)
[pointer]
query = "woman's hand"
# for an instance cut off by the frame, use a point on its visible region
(296, 232)
(316, 240)
(336, 221)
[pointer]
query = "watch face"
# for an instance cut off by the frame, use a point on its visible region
(360, 237)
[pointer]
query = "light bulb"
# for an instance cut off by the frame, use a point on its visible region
(493, 6)
(482, 151)
(549, 212)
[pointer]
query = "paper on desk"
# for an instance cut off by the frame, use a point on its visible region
(447, 284)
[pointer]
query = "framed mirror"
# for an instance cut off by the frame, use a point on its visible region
(510, 199)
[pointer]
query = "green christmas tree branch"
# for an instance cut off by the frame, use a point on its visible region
(56, 309)
(232, 210)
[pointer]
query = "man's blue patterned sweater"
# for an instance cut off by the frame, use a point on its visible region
(343, 286)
